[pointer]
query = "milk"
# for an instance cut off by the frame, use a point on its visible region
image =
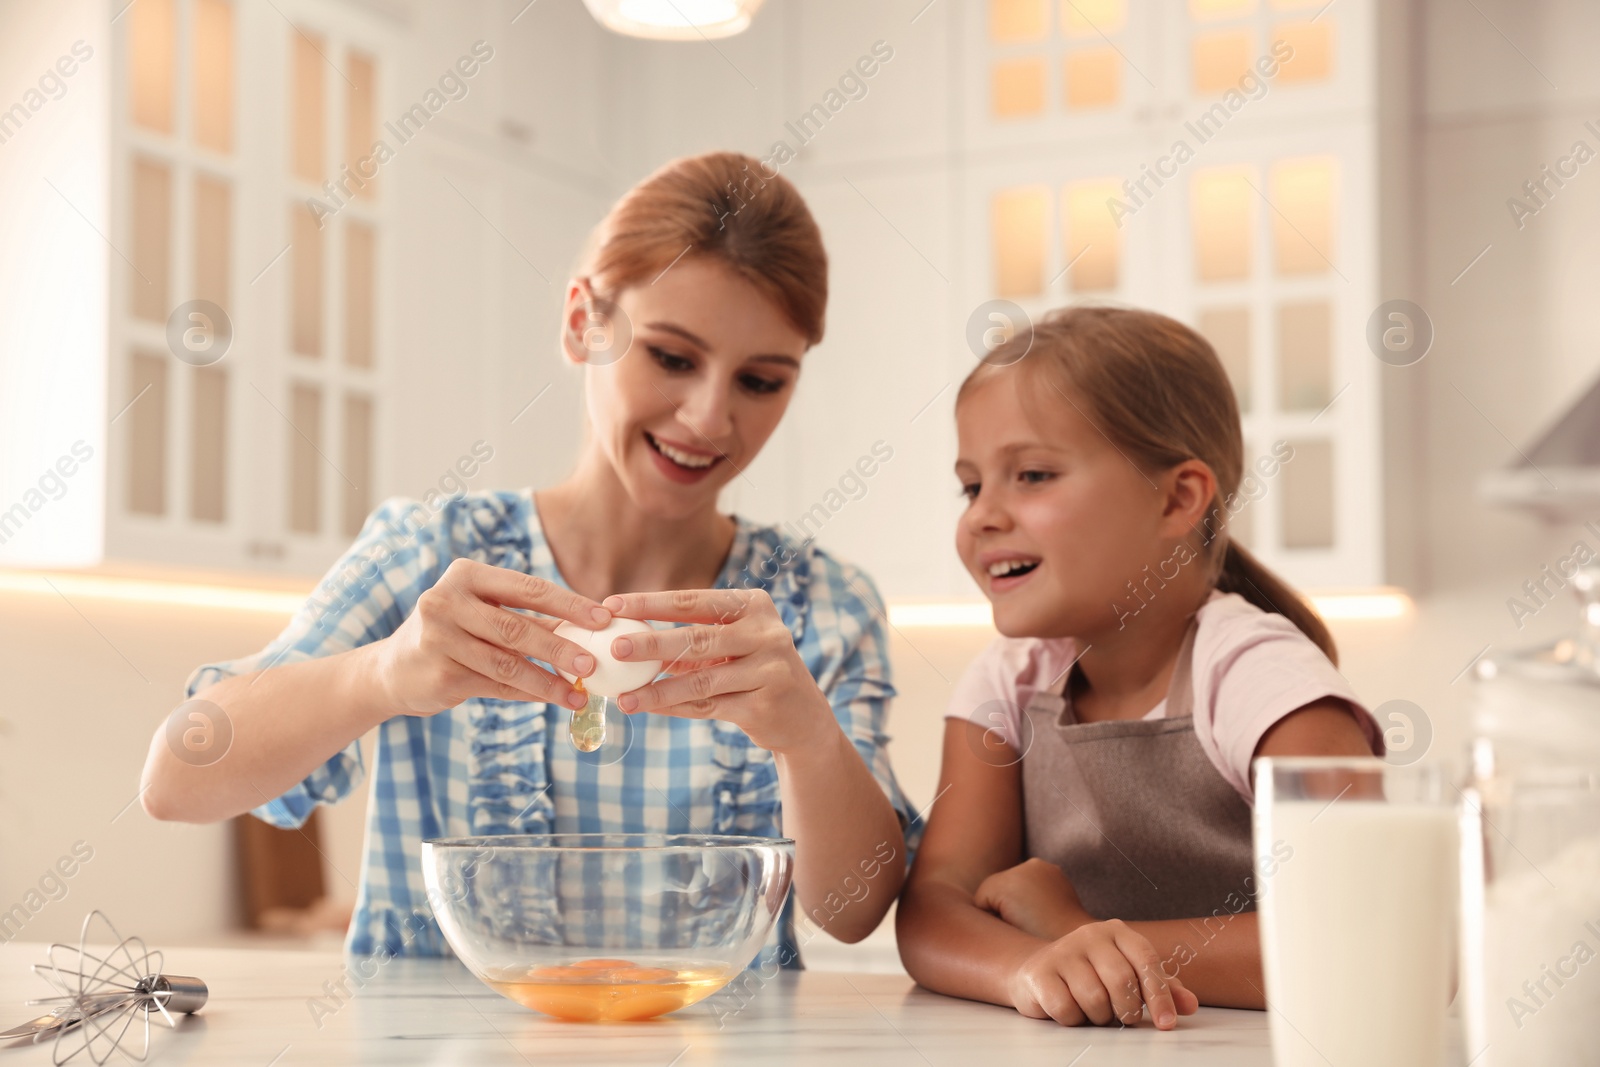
(1357, 930)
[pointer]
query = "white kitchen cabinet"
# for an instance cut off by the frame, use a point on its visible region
(237, 178)
(972, 165)
(1142, 144)
(977, 164)
(381, 319)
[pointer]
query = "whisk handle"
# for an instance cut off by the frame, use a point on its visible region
(182, 993)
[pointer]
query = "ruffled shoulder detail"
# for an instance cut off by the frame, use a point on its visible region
(764, 558)
(496, 527)
(508, 790)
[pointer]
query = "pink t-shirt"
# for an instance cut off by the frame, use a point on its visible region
(1250, 668)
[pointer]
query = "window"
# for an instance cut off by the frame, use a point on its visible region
(152, 64)
(213, 75)
(1229, 38)
(1012, 21)
(1302, 194)
(1092, 242)
(1286, 377)
(1221, 58)
(1020, 232)
(332, 314)
(147, 433)
(152, 239)
(1305, 355)
(1312, 59)
(179, 169)
(1223, 215)
(1086, 43)
(1228, 330)
(1018, 87)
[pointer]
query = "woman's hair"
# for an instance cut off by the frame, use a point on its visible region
(724, 206)
(1157, 390)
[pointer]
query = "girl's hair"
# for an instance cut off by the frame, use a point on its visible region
(721, 205)
(1157, 390)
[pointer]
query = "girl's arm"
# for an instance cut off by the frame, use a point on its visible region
(947, 942)
(740, 665)
(285, 721)
(1218, 956)
(952, 943)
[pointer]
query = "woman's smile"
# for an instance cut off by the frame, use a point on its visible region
(678, 461)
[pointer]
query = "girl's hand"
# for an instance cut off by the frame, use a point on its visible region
(1035, 897)
(737, 663)
(1102, 972)
(462, 642)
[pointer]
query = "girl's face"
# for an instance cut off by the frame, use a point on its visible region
(1058, 520)
(709, 372)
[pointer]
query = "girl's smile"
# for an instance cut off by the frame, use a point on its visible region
(1007, 569)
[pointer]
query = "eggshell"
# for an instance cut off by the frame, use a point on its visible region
(612, 677)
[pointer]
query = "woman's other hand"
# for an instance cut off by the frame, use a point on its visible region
(736, 662)
(461, 641)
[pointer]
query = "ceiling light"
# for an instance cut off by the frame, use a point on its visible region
(674, 20)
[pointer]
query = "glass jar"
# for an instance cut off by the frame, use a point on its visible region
(1541, 706)
(1530, 883)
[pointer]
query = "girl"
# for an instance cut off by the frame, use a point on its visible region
(1089, 854)
(773, 721)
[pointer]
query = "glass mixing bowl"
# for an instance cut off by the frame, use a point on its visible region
(607, 927)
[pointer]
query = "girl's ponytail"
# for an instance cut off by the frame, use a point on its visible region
(1242, 573)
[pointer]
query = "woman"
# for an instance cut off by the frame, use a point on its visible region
(772, 720)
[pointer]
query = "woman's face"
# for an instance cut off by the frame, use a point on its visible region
(1058, 520)
(709, 372)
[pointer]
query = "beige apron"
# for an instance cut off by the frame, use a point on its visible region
(1134, 811)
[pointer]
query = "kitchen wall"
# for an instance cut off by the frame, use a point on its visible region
(1518, 341)
(1504, 90)
(1482, 97)
(882, 177)
(54, 273)
(569, 116)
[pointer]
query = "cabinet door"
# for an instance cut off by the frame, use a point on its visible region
(1275, 262)
(1060, 73)
(178, 299)
(248, 348)
(1224, 178)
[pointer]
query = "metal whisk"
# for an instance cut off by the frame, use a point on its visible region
(103, 996)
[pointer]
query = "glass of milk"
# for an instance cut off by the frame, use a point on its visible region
(1356, 876)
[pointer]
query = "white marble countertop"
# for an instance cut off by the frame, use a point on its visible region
(261, 1013)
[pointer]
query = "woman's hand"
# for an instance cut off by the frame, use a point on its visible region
(462, 642)
(736, 662)
(1102, 972)
(1035, 897)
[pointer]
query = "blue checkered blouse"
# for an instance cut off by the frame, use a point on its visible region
(504, 767)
